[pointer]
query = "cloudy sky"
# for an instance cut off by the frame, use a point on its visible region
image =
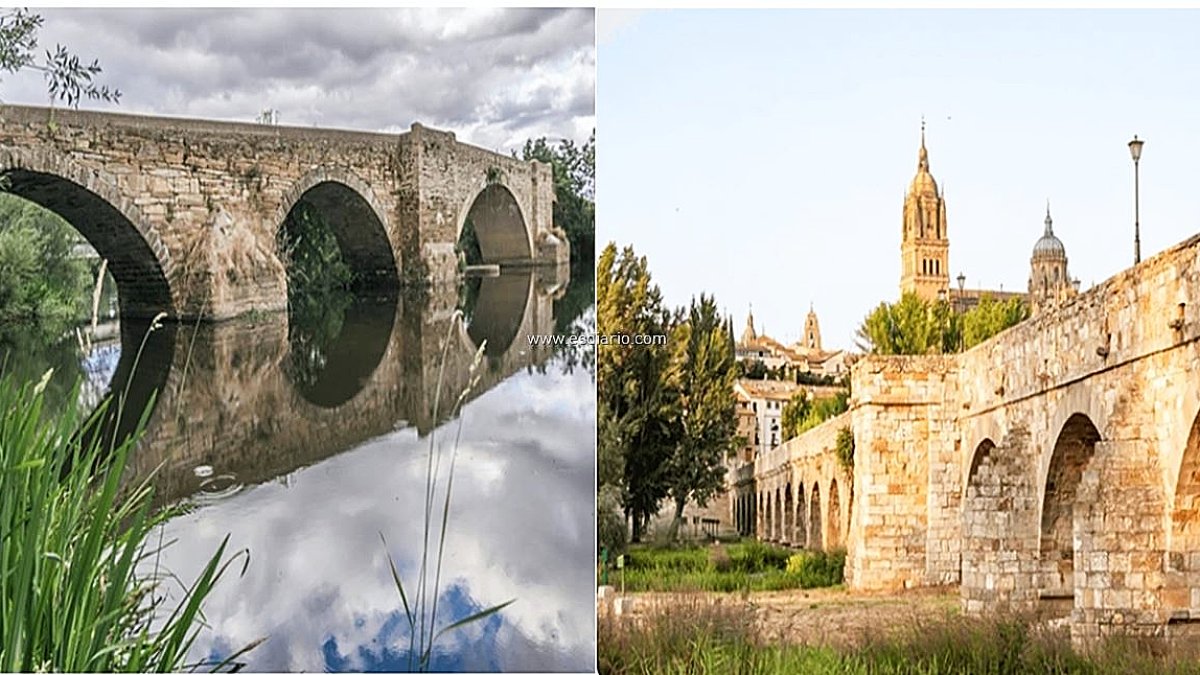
(494, 77)
(763, 155)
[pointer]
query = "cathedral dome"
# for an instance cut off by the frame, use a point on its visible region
(1049, 246)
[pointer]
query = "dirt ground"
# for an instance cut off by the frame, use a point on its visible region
(838, 617)
(832, 616)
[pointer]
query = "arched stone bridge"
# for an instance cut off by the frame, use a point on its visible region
(187, 211)
(800, 494)
(1053, 469)
(229, 396)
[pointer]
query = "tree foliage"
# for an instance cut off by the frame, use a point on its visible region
(636, 407)
(41, 283)
(916, 326)
(666, 413)
(67, 78)
(703, 370)
(574, 168)
(990, 317)
(802, 413)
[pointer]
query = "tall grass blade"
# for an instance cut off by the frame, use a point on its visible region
(483, 614)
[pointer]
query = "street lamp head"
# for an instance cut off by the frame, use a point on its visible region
(962, 281)
(1135, 148)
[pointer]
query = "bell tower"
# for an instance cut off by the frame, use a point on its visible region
(924, 243)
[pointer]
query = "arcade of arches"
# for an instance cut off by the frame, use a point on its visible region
(1053, 469)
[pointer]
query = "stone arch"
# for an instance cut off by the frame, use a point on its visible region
(91, 202)
(815, 535)
(759, 515)
(357, 220)
(801, 517)
(985, 430)
(1074, 447)
(789, 517)
(1183, 559)
(500, 225)
(777, 519)
(834, 540)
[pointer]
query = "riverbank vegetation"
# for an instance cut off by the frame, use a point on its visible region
(42, 285)
(78, 588)
(749, 565)
(704, 637)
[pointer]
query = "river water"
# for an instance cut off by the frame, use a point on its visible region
(308, 444)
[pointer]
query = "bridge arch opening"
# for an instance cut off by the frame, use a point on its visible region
(801, 517)
(759, 515)
(777, 519)
(343, 284)
(330, 224)
(835, 516)
(815, 540)
(494, 229)
(111, 226)
(789, 516)
(1073, 452)
(1182, 565)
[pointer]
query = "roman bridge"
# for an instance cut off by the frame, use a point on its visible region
(798, 496)
(233, 396)
(1052, 469)
(187, 212)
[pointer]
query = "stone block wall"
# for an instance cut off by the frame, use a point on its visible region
(904, 492)
(188, 211)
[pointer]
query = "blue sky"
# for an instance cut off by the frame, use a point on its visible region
(763, 155)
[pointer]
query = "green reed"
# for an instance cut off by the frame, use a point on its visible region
(72, 537)
(421, 613)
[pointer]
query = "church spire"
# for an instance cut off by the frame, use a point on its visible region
(923, 154)
(1049, 222)
(748, 334)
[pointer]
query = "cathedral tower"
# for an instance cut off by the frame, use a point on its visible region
(1049, 283)
(812, 331)
(925, 245)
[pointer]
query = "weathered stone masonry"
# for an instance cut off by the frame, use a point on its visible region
(802, 493)
(1052, 468)
(187, 211)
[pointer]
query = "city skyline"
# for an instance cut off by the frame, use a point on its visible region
(783, 164)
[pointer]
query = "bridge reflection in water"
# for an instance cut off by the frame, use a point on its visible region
(249, 423)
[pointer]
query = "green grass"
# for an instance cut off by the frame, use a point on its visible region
(695, 637)
(72, 541)
(749, 565)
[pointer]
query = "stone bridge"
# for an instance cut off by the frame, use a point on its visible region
(229, 396)
(1053, 469)
(799, 494)
(187, 212)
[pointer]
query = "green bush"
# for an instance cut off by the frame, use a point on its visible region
(816, 569)
(755, 556)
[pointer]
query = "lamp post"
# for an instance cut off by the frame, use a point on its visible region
(1135, 151)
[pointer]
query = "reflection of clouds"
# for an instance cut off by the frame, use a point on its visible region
(521, 526)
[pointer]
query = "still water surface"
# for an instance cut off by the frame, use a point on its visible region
(303, 443)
